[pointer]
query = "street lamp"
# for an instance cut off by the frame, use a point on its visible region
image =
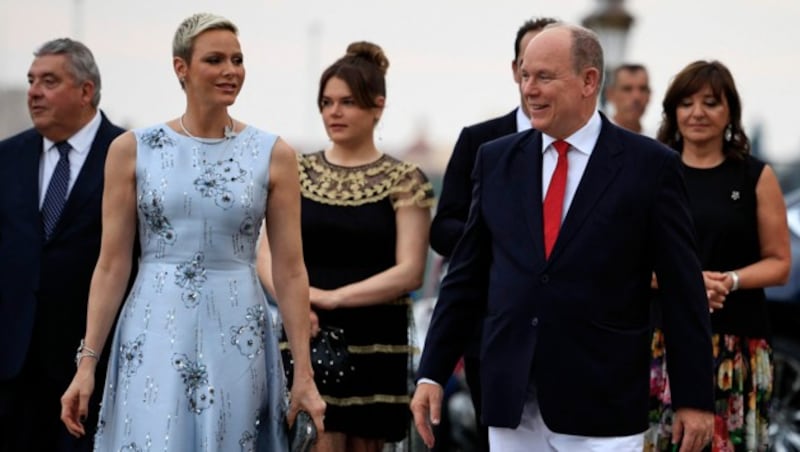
(611, 23)
(77, 21)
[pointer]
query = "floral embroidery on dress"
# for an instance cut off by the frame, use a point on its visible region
(195, 377)
(195, 282)
(101, 426)
(249, 338)
(191, 275)
(131, 355)
(152, 207)
(248, 442)
(132, 447)
(157, 139)
(248, 226)
(353, 186)
(214, 181)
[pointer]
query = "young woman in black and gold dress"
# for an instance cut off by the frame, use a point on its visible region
(365, 221)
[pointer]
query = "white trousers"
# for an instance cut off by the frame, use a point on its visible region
(532, 435)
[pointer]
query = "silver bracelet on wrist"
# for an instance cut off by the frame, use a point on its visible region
(84, 352)
(735, 278)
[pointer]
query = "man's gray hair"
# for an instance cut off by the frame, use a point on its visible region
(586, 49)
(80, 62)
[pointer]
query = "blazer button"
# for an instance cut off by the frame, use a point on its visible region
(545, 279)
(535, 321)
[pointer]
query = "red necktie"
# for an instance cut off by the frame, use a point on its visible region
(554, 200)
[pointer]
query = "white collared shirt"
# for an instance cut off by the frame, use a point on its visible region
(582, 141)
(81, 142)
(523, 122)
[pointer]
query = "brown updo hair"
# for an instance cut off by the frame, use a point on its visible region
(363, 69)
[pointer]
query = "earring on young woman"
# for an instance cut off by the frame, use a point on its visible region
(677, 136)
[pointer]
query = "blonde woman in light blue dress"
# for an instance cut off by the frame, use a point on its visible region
(194, 363)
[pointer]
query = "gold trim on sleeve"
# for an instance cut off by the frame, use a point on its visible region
(366, 400)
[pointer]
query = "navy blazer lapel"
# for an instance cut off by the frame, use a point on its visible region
(527, 171)
(30, 159)
(90, 178)
(603, 164)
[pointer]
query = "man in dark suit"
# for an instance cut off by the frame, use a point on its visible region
(566, 225)
(51, 184)
(453, 204)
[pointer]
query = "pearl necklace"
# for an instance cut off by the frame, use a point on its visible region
(227, 131)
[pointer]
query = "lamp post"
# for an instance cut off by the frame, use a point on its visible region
(77, 21)
(611, 23)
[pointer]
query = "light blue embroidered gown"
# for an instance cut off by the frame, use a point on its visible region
(195, 363)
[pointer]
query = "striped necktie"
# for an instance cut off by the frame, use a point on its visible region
(56, 195)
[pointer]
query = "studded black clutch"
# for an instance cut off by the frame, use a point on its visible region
(329, 358)
(303, 433)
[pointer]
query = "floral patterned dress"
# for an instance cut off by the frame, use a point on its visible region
(194, 363)
(723, 205)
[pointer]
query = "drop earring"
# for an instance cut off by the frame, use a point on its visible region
(728, 135)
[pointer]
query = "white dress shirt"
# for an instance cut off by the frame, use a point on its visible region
(523, 122)
(81, 142)
(582, 141)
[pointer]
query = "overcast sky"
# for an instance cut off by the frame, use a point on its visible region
(450, 59)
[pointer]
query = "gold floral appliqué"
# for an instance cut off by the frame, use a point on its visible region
(354, 186)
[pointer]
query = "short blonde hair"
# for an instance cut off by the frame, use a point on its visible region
(191, 27)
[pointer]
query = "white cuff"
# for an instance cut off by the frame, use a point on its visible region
(427, 381)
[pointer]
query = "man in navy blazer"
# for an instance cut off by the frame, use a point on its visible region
(44, 280)
(453, 204)
(565, 347)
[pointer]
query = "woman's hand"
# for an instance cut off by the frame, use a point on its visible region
(716, 289)
(324, 299)
(75, 401)
(314, 323)
(305, 397)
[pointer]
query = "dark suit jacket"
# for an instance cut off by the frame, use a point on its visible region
(44, 285)
(576, 326)
(453, 204)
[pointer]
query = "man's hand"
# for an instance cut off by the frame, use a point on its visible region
(693, 429)
(427, 408)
